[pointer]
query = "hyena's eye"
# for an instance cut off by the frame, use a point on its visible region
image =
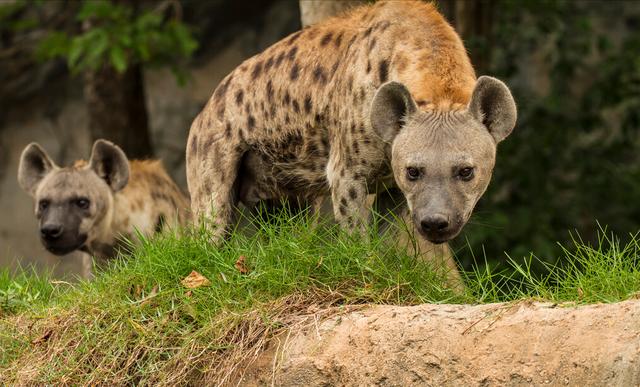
(413, 173)
(43, 204)
(83, 203)
(466, 173)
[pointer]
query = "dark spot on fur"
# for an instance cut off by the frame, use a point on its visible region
(368, 31)
(326, 39)
(307, 104)
(312, 148)
(383, 69)
(221, 90)
(421, 102)
(280, 58)
(221, 112)
(356, 147)
(287, 98)
(207, 145)
(294, 37)
(292, 53)
(368, 70)
(318, 118)
(353, 194)
(343, 207)
(352, 40)
(227, 130)
(372, 43)
(251, 123)
(295, 72)
(257, 70)
(247, 108)
(269, 91)
(268, 64)
(338, 40)
(319, 75)
(383, 25)
(239, 97)
(334, 68)
(296, 106)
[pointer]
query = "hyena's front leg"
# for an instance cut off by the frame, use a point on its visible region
(348, 196)
(212, 167)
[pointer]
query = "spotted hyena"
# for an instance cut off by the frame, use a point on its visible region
(383, 96)
(91, 206)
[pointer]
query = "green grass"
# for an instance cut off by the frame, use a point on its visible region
(136, 323)
(23, 289)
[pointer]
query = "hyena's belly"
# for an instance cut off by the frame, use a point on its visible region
(292, 169)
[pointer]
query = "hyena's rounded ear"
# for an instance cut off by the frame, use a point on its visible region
(391, 104)
(35, 164)
(492, 104)
(110, 163)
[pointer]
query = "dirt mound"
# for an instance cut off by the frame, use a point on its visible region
(521, 343)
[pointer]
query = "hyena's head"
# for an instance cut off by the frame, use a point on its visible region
(73, 203)
(443, 160)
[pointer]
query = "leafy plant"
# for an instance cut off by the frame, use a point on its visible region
(118, 35)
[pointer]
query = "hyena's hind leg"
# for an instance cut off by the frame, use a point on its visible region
(213, 160)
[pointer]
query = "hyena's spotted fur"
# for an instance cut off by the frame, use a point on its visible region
(91, 206)
(323, 111)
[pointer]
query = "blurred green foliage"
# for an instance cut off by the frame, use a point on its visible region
(573, 160)
(117, 34)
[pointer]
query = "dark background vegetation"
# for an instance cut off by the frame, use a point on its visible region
(573, 66)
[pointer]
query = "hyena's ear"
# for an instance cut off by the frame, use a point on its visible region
(391, 104)
(35, 164)
(110, 163)
(492, 104)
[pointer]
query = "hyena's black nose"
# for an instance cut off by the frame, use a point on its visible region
(51, 232)
(434, 223)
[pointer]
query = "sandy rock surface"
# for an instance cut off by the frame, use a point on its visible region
(510, 344)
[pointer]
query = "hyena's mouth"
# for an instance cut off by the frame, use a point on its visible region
(439, 239)
(65, 246)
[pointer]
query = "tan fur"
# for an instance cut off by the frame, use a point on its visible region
(149, 194)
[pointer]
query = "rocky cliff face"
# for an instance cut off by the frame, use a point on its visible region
(43, 103)
(514, 344)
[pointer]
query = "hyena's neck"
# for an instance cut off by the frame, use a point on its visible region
(103, 238)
